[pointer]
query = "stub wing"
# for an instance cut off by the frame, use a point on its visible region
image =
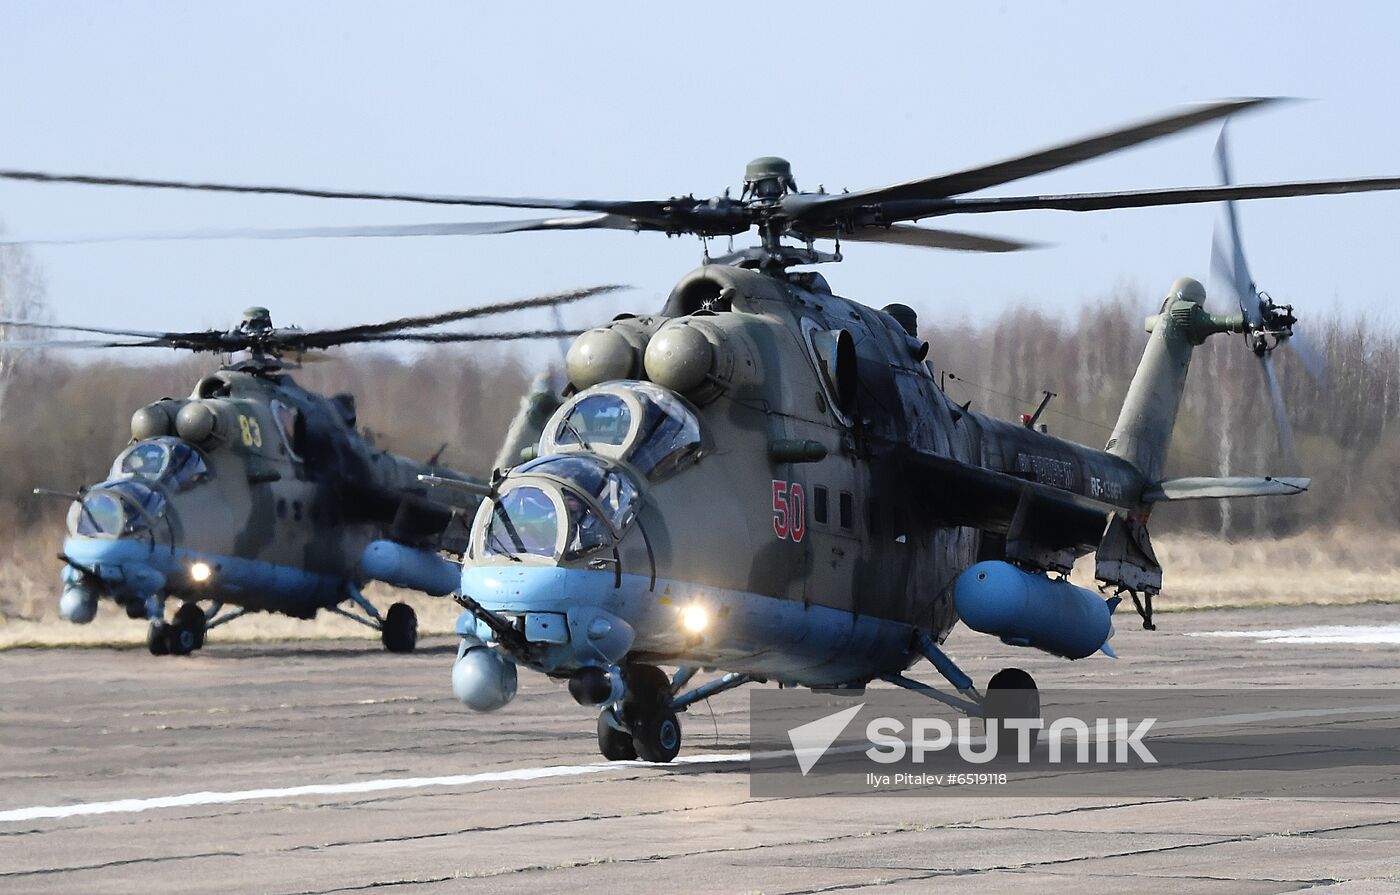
(1207, 487)
(963, 494)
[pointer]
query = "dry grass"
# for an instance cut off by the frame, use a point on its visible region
(1335, 567)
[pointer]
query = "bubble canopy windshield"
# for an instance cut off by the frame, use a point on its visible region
(643, 425)
(595, 501)
(116, 508)
(173, 462)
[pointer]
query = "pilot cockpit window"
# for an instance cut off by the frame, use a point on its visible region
(648, 427)
(116, 508)
(669, 434)
(596, 419)
(173, 462)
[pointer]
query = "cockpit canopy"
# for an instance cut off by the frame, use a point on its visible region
(174, 463)
(650, 429)
(595, 501)
(116, 508)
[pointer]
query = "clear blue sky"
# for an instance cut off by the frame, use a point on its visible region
(654, 99)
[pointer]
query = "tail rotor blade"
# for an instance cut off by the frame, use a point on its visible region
(1285, 429)
(1233, 248)
(1312, 357)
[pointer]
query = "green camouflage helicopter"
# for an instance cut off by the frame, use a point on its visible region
(764, 478)
(258, 495)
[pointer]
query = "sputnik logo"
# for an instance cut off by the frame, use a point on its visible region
(811, 740)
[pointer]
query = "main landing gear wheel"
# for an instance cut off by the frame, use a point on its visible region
(157, 638)
(1011, 693)
(656, 731)
(616, 745)
(186, 631)
(399, 631)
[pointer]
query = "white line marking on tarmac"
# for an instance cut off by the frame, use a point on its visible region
(186, 800)
(194, 799)
(1318, 634)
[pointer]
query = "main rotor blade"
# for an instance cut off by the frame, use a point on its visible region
(929, 238)
(145, 334)
(1285, 429)
(1050, 159)
(643, 208)
(480, 228)
(315, 338)
(520, 335)
(79, 343)
(1185, 195)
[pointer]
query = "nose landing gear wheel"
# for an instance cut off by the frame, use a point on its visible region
(656, 732)
(657, 736)
(616, 745)
(157, 639)
(187, 630)
(399, 631)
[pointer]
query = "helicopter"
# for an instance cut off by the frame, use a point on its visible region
(254, 494)
(765, 479)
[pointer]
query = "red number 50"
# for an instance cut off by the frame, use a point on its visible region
(789, 510)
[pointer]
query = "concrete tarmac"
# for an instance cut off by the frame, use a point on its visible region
(336, 767)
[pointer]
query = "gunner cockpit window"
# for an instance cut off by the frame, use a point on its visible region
(523, 520)
(116, 508)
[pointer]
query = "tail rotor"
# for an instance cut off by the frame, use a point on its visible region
(1268, 324)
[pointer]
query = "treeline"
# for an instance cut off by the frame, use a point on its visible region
(1346, 424)
(63, 418)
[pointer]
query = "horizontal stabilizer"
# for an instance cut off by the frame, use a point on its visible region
(1202, 487)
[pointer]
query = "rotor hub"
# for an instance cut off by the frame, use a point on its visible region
(768, 178)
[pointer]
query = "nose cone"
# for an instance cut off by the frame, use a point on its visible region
(532, 588)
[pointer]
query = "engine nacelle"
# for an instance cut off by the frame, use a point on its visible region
(482, 679)
(1029, 609)
(410, 567)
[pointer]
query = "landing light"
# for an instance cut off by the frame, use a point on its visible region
(695, 618)
(200, 572)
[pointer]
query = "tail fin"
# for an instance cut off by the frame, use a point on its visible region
(1144, 430)
(535, 409)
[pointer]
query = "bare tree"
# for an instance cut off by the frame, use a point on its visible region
(21, 298)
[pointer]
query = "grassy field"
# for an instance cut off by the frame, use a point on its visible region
(1326, 568)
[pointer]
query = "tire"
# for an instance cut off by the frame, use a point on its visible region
(399, 632)
(157, 639)
(180, 640)
(1012, 693)
(657, 736)
(191, 617)
(616, 745)
(648, 689)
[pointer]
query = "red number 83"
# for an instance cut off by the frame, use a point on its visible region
(789, 510)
